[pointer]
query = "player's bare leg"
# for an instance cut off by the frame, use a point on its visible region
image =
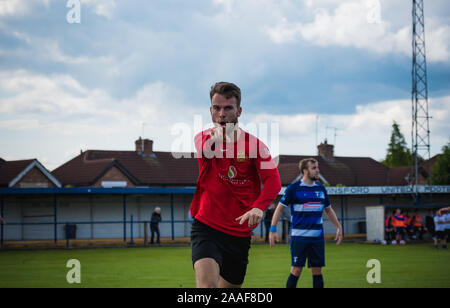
(316, 271)
(296, 271)
(206, 273)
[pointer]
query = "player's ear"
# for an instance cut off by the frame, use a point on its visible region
(239, 111)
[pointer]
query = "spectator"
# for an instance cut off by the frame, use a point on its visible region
(417, 225)
(429, 224)
(409, 226)
(154, 225)
(447, 225)
(400, 226)
(389, 229)
(444, 211)
(440, 225)
(2, 220)
(286, 218)
(268, 220)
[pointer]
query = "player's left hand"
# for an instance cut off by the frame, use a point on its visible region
(339, 237)
(254, 217)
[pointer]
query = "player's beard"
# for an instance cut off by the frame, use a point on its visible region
(313, 177)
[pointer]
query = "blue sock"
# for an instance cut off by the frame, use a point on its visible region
(292, 281)
(317, 281)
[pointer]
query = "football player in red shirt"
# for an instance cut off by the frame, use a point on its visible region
(229, 199)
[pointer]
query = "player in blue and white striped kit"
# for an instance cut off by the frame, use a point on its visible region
(308, 200)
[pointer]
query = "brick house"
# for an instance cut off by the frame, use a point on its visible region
(26, 174)
(147, 168)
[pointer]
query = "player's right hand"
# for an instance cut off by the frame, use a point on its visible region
(218, 134)
(273, 238)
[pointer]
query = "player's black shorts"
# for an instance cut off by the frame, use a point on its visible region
(441, 235)
(230, 252)
(313, 251)
(400, 230)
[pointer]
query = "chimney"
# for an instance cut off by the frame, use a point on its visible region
(326, 151)
(144, 146)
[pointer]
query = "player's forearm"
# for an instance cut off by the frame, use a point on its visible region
(333, 218)
(272, 186)
(276, 215)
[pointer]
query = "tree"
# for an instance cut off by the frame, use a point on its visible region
(441, 168)
(398, 154)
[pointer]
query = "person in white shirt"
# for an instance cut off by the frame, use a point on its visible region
(441, 236)
(447, 225)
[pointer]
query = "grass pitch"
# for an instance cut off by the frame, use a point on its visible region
(155, 267)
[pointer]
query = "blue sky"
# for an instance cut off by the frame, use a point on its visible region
(92, 85)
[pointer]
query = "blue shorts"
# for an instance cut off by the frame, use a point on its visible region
(313, 251)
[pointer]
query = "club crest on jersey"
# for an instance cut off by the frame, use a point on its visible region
(232, 172)
(320, 194)
(241, 157)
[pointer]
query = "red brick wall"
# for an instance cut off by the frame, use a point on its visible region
(114, 174)
(34, 178)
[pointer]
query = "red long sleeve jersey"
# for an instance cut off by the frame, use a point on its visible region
(229, 182)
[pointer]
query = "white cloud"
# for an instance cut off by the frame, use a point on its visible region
(74, 117)
(360, 24)
(101, 7)
(365, 132)
(49, 49)
(227, 4)
(59, 106)
(19, 7)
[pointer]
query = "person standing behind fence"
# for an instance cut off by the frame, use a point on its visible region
(409, 226)
(447, 225)
(389, 229)
(444, 210)
(440, 224)
(268, 220)
(418, 225)
(154, 225)
(429, 224)
(399, 224)
(2, 220)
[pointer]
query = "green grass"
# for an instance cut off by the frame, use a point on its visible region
(401, 266)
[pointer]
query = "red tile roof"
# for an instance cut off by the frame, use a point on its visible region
(347, 171)
(156, 169)
(162, 169)
(398, 176)
(9, 170)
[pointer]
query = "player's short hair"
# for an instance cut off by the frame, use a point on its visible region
(304, 163)
(228, 90)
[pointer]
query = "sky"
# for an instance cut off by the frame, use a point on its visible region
(309, 70)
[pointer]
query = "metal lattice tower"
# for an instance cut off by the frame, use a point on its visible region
(420, 119)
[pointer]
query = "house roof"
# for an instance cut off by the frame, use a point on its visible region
(11, 169)
(12, 172)
(163, 169)
(404, 175)
(158, 168)
(348, 171)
